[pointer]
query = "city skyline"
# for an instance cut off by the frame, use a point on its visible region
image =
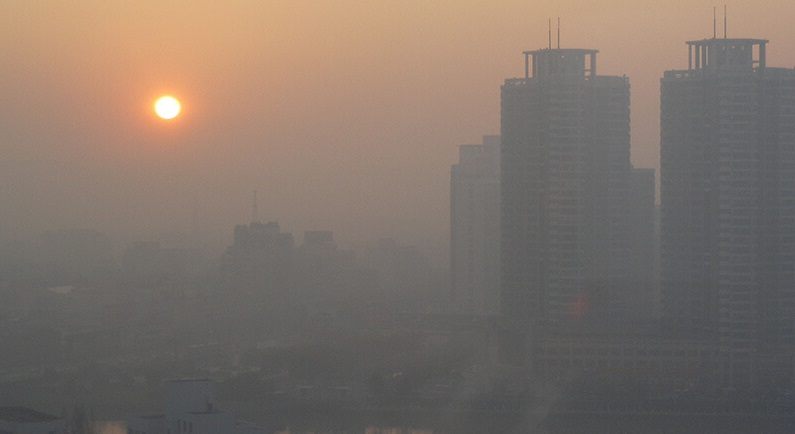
(397, 217)
(179, 174)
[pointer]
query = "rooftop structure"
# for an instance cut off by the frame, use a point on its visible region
(558, 62)
(24, 415)
(29, 421)
(190, 408)
(727, 53)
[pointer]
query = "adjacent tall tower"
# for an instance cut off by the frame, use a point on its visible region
(475, 227)
(728, 203)
(565, 186)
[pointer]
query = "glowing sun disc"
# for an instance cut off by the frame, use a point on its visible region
(167, 107)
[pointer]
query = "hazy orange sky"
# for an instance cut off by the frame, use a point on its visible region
(344, 115)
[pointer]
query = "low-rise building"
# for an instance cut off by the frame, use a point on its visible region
(22, 420)
(645, 357)
(190, 409)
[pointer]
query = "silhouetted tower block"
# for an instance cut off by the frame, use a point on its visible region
(565, 185)
(642, 223)
(557, 63)
(475, 227)
(261, 258)
(728, 200)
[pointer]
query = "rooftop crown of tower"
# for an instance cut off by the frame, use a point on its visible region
(723, 54)
(560, 62)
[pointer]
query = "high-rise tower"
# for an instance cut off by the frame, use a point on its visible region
(728, 201)
(475, 227)
(565, 185)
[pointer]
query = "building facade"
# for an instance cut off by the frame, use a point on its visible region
(260, 259)
(728, 203)
(475, 228)
(190, 409)
(565, 185)
(643, 241)
(23, 420)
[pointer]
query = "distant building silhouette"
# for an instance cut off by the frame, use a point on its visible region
(319, 254)
(270, 280)
(260, 259)
(74, 255)
(475, 227)
(565, 184)
(149, 263)
(323, 271)
(190, 408)
(728, 205)
(26, 420)
(643, 241)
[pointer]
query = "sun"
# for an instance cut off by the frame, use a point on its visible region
(167, 107)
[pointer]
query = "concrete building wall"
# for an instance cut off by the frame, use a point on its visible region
(149, 424)
(643, 276)
(727, 182)
(23, 420)
(190, 409)
(644, 359)
(475, 227)
(565, 191)
(189, 395)
(54, 427)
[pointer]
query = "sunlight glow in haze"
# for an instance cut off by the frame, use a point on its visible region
(167, 107)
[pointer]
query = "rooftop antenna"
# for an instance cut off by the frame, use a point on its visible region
(254, 208)
(558, 33)
(714, 22)
(550, 33)
(725, 22)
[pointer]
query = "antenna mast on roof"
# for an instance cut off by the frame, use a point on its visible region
(725, 22)
(550, 33)
(558, 33)
(714, 22)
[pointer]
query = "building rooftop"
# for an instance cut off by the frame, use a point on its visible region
(558, 51)
(558, 62)
(727, 41)
(24, 415)
(727, 54)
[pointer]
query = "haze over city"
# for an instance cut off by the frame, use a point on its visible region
(343, 115)
(454, 217)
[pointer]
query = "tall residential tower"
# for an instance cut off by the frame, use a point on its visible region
(728, 203)
(475, 227)
(565, 185)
